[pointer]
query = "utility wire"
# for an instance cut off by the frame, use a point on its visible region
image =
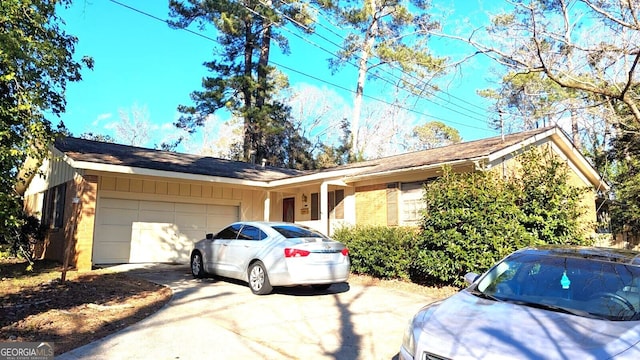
(376, 99)
(318, 11)
(377, 76)
(308, 75)
(162, 20)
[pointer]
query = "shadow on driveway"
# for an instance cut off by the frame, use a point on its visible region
(222, 318)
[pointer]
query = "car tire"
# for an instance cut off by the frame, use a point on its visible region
(259, 279)
(197, 269)
(321, 286)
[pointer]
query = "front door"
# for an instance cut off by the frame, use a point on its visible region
(288, 209)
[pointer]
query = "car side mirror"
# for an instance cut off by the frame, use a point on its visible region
(471, 277)
(209, 236)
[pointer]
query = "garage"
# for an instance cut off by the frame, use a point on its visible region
(137, 231)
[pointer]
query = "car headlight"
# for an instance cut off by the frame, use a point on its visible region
(408, 341)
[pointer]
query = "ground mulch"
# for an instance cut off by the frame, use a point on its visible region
(36, 306)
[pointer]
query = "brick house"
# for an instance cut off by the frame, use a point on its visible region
(124, 204)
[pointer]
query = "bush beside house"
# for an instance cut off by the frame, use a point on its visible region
(472, 220)
(380, 251)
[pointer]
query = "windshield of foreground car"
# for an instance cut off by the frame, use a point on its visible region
(581, 286)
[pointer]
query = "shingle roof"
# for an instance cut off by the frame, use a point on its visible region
(130, 156)
(446, 154)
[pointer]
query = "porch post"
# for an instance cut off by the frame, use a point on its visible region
(267, 206)
(324, 207)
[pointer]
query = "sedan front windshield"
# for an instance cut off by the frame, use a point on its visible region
(587, 286)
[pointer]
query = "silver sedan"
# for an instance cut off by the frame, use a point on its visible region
(268, 254)
(538, 303)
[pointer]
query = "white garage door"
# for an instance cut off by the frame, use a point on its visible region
(134, 231)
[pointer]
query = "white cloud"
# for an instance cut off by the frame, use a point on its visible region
(101, 117)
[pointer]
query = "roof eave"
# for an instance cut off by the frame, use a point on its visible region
(130, 170)
(378, 174)
(566, 147)
(326, 175)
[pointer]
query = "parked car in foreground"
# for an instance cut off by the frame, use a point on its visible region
(537, 303)
(267, 254)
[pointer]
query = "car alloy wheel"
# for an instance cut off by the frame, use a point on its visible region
(258, 279)
(196, 265)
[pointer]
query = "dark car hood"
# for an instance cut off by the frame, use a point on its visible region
(465, 326)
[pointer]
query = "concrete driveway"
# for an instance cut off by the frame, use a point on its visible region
(219, 319)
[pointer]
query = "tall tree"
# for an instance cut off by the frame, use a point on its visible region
(625, 157)
(334, 155)
(387, 40)
(36, 63)
(222, 139)
(242, 80)
(385, 129)
(318, 113)
(586, 47)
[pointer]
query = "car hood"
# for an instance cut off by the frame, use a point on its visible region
(465, 326)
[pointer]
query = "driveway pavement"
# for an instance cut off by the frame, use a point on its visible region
(218, 319)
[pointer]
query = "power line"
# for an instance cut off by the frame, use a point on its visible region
(311, 76)
(376, 99)
(383, 70)
(162, 20)
(318, 11)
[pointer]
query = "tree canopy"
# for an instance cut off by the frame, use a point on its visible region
(36, 64)
(433, 134)
(472, 220)
(242, 81)
(385, 38)
(586, 46)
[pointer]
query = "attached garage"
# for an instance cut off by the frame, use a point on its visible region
(137, 231)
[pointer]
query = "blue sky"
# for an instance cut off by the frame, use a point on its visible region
(139, 61)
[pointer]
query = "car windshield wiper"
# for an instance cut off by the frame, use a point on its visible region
(555, 308)
(480, 294)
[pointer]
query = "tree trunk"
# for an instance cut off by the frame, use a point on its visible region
(367, 48)
(574, 128)
(248, 146)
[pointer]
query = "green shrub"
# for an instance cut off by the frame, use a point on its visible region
(471, 221)
(19, 237)
(380, 251)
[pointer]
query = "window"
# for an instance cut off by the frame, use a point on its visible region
(336, 207)
(251, 233)
(53, 211)
(412, 202)
(315, 206)
(412, 210)
(297, 231)
(230, 232)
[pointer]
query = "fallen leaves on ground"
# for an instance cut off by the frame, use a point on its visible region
(36, 306)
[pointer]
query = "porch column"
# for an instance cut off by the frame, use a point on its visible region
(267, 206)
(324, 207)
